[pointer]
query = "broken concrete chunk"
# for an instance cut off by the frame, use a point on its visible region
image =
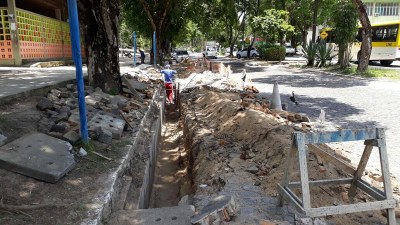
(105, 136)
(221, 208)
(44, 104)
(39, 156)
(252, 170)
(60, 128)
(63, 116)
(72, 137)
(44, 125)
(108, 121)
(71, 87)
(3, 139)
(185, 200)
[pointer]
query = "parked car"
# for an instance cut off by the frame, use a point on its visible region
(243, 53)
(289, 49)
(180, 55)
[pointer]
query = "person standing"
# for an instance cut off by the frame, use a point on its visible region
(168, 75)
(142, 56)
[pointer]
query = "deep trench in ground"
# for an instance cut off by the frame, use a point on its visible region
(172, 180)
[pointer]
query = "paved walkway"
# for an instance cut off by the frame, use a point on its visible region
(16, 80)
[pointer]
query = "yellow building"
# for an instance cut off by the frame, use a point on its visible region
(33, 30)
(380, 11)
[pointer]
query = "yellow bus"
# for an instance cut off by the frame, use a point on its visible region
(385, 42)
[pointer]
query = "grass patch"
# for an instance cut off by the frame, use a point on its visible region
(371, 72)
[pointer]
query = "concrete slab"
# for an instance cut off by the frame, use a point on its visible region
(177, 215)
(39, 156)
(113, 123)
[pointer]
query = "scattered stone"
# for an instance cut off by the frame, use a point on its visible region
(71, 87)
(65, 94)
(60, 128)
(82, 152)
(60, 117)
(257, 183)
(252, 170)
(44, 103)
(218, 210)
(44, 125)
(3, 139)
(72, 137)
(203, 185)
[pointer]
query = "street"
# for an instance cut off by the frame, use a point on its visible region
(349, 102)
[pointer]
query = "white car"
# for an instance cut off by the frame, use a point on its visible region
(180, 55)
(289, 49)
(243, 53)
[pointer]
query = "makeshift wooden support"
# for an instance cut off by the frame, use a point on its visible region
(373, 137)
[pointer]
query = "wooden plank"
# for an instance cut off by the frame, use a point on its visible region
(385, 173)
(373, 192)
(340, 136)
(305, 187)
(360, 169)
(323, 182)
(289, 196)
(341, 164)
(353, 208)
(132, 89)
(289, 168)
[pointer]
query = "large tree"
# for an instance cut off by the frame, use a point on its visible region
(345, 21)
(99, 21)
(366, 32)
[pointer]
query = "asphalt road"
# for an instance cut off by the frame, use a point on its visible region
(349, 102)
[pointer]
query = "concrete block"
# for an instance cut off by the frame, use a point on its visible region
(177, 215)
(39, 156)
(108, 121)
(3, 139)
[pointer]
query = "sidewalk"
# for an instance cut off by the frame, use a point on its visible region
(20, 82)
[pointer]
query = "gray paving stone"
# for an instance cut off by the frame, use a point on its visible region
(110, 122)
(177, 215)
(39, 156)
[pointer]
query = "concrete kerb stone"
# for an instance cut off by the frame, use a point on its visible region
(108, 200)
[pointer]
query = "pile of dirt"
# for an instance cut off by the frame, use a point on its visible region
(227, 140)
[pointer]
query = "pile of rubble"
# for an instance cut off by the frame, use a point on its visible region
(107, 115)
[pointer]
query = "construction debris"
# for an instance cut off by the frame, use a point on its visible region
(218, 210)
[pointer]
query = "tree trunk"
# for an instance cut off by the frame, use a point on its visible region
(100, 21)
(314, 26)
(366, 46)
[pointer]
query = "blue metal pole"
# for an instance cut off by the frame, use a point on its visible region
(76, 55)
(134, 48)
(155, 49)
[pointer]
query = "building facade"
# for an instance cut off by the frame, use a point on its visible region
(33, 30)
(380, 11)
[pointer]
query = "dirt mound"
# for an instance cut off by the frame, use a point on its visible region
(228, 141)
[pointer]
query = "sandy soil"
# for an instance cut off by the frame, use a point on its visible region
(228, 138)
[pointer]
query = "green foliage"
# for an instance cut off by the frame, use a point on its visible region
(310, 52)
(324, 53)
(271, 52)
(344, 21)
(273, 24)
(372, 73)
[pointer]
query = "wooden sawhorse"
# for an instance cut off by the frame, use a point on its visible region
(372, 137)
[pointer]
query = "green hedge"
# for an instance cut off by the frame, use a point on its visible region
(271, 52)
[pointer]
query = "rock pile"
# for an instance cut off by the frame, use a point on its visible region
(107, 115)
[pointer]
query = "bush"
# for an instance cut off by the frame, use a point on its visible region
(271, 52)
(324, 54)
(310, 52)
